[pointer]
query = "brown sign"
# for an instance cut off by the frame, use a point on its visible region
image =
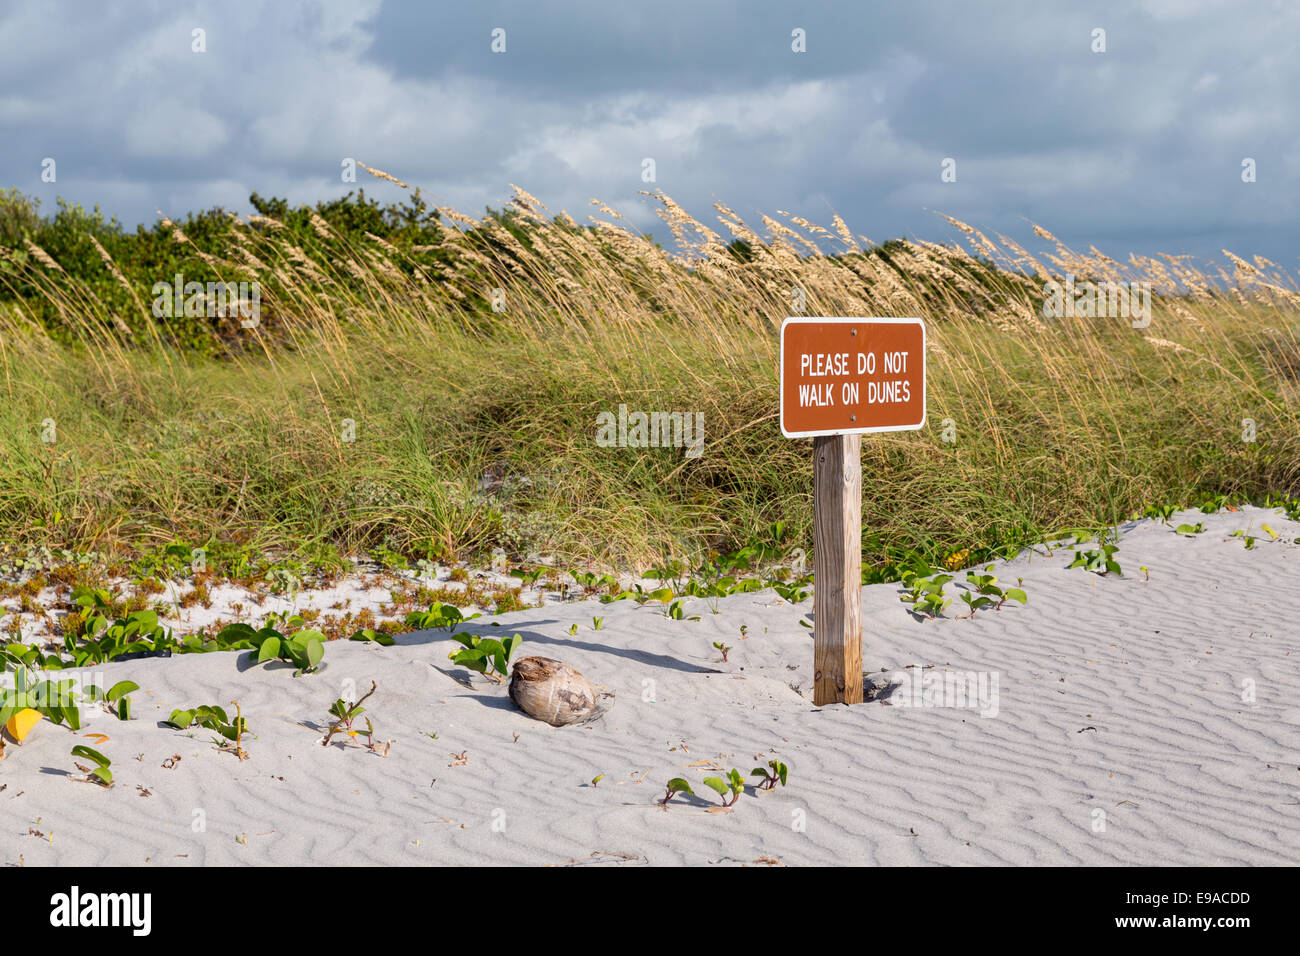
(851, 376)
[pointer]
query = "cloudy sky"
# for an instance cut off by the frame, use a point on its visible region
(1139, 147)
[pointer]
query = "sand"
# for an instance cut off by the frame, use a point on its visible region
(1125, 720)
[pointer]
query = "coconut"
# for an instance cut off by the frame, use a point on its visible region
(553, 692)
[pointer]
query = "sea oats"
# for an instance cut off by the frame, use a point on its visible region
(846, 236)
(1164, 344)
(265, 221)
(246, 255)
(527, 204)
(379, 240)
(457, 216)
(41, 256)
(352, 268)
(380, 174)
(321, 227)
(1021, 257)
(1242, 265)
(784, 240)
(121, 279)
(808, 225)
(607, 210)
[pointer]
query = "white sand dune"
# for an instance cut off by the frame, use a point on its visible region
(1136, 722)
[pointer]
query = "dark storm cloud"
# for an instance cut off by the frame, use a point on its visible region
(1138, 147)
(582, 48)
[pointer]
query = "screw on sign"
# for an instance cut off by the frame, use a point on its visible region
(842, 378)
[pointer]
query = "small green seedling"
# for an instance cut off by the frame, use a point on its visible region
(1146, 572)
(925, 593)
(675, 786)
(662, 595)
(369, 634)
(344, 713)
(983, 591)
(288, 582)
(732, 784)
(675, 611)
(597, 623)
(573, 630)
(117, 700)
(1163, 512)
(793, 592)
(1246, 539)
(638, 594)
(670, 570)
(1100, 562)
(439, 617)
(214, 718)
(1213, 504)
(775, 773)
(723, 649)
(304, 648)
(528, 577)
(1190, 529)
(99, 773)
(595, 781)
(92, 599)
(486, 655)
(590, 581)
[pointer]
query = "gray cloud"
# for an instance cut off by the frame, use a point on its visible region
(1137, 148)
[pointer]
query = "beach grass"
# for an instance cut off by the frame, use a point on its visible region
(399, 413)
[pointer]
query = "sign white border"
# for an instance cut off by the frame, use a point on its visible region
(851, 431)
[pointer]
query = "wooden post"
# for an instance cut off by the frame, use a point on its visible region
(837, 569)
(842, 378)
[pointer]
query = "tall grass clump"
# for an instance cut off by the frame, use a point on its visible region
(428, 382)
